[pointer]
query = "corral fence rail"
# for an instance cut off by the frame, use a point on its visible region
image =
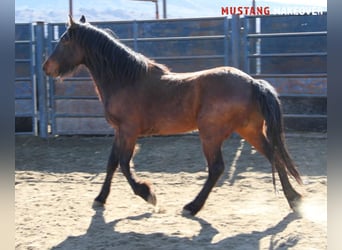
(266, 47)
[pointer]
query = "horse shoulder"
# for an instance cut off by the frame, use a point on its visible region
(121, 106)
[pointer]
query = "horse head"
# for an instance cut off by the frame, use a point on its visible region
(67, 54)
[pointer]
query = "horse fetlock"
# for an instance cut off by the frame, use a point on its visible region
(145, 191)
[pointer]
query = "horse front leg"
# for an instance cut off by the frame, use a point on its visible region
(141, 188)
(112, 165)
(213, 154)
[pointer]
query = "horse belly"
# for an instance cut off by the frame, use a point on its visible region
(170, 119)
(177, 126)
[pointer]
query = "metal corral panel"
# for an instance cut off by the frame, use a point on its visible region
(25, 87)
(181, 27)
(74, 87)
(299, 85)
(290, 45)
(304, 105)
(82, 125)
(78, 107)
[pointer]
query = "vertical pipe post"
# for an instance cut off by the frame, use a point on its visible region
(157, 10)
(164, 9)
(70, 8)
(49, 47)
(33, 82)
(235, 41)
(41, 83)
(226, 41)
(135, 35)
(246, 45)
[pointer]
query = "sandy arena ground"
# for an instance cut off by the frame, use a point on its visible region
(57, 179)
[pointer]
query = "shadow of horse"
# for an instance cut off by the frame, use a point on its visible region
(102, 235)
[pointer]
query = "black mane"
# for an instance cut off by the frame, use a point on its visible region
(108, 59)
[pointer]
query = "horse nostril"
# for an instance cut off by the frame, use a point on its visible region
(46, 66)
(50, 68)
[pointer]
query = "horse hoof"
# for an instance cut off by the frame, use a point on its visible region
(97, 205)
(186, 213)
(190, 209)
(152, 199)
(295, 205)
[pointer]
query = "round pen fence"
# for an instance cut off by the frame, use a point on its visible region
(288, 51)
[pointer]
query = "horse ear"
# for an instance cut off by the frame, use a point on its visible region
(71, 22)
(83, 19)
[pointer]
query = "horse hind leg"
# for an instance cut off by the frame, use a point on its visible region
(292, 196)
(256, 137)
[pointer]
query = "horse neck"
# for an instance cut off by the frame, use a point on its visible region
(114, 69)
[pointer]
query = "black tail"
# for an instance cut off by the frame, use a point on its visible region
(270, 106)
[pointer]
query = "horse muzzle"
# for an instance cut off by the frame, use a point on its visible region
(51, 68)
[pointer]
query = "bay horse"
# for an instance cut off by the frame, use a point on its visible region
(143, 98)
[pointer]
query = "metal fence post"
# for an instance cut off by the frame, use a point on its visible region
(235, 41)
(246, 45)
(135, 35)
(41, 83)
(50, 81)
(34, 86)
(226, 41)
